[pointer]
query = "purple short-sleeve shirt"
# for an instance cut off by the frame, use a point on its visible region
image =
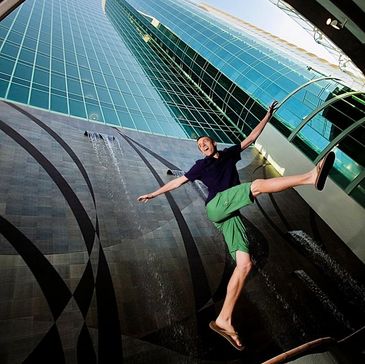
(218, 174)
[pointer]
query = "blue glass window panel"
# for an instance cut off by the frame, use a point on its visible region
(110, 116)
(85, 74)
(42, 61)
(74, 86)
(72, 70)
(123, 85)
(106, 104)
(19, 27)
(3, 32)
(89, 91)
(93, 112)
(99, 79)
(143, 104)
(247, 58)
(103, 95)
(312, 138)
(39, 99)
(35, 20)
(275, 91)
(111, 82)
(46, 37)
(316, 88)
(233, 48)
(254, 76)
(312, 99)
(44, 47)
(58, 92)
(206, 52)
(10, 49)
(295, 77)
(155, 107)
(82, 61)
(68, 46)
(58, 66)
(7, 65)
(3, 87)
(18, 93)
(171, 129)
(154, 126)
(59, 103)
(131, 102)
(57, 52)
(75, 97)
(140, 123)
(77, 108)
(40, 87)
(228, 69)
(15, 37)
(287, 84)
(57, 44)
(210, 45)
(126, 119)
(21, 81)
(26, 55)
(57, 31)
(94, 65)
(133, 87)
(41, 77)
(217, 60)
(70, 56)
(117, 98)
(58, 82)
(264, 69)
(90, 52)
(30, 43)
(23, 71)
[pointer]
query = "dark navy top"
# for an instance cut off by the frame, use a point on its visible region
(217, 174)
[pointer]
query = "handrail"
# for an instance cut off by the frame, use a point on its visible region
(305, 85)
(338, 138)
(320, 108)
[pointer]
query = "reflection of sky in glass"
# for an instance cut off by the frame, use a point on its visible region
(348, 167)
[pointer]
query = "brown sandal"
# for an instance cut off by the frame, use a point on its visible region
(226, 334)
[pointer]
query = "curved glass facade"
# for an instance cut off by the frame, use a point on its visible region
(241, 73)
(171, 68)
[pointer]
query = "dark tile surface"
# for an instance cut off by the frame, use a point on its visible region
(133, 279)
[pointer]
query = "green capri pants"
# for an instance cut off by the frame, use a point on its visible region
(223, 211)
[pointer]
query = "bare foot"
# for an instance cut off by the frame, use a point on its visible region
(313, 175)
(229, 329)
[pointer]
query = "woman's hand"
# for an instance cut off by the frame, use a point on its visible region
(145, 198)
(272, 107)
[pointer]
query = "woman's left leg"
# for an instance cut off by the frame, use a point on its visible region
(234, 288)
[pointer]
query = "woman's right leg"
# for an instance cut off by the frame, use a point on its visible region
(278, 184)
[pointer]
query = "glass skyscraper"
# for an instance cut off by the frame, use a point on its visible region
(172, 68)
(100, 102)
